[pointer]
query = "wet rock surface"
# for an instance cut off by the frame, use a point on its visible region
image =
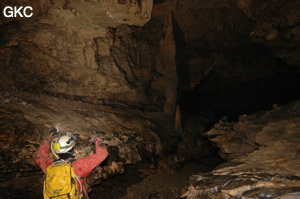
(263, 164)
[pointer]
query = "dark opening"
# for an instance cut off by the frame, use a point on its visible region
(260, 83)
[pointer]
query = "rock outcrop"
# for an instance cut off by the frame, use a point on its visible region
(263, 157)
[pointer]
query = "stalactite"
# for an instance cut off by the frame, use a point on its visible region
(178, 124)
(168, 48)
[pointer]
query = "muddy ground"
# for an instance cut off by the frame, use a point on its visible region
(140, 181)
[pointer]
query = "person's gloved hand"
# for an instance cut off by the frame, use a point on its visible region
(100, 141)
(48, 135)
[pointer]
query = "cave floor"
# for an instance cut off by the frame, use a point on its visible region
(139, 181)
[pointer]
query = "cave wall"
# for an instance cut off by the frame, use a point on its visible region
(86, 50)
(140, 74)
(66, 49)
(235, 60)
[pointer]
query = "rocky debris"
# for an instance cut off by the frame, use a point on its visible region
(102, 173)
(263, 164)
(234, 139)
(160, 185)
(244, 185)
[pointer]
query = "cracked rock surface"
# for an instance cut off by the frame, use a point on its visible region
(263, 163)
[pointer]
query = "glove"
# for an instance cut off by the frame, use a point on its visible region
(54, 131)
(100, 142)
(48, 135)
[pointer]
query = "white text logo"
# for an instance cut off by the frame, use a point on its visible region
(18, 11)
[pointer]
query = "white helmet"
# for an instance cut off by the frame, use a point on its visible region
(64, 143)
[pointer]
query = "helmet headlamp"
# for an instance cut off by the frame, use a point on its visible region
(56, 146)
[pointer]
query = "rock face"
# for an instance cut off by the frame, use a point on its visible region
(263, 154)
(66, 49)
(98, 52)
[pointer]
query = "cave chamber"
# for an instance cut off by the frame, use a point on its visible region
(193, 99)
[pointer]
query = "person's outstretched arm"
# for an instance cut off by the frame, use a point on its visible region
(84, 166)
(42, 158)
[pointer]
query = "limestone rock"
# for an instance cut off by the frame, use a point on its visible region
(66, 48)
(268, 169)
(103, 67)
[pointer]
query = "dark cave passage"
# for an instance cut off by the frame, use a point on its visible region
(261, 83)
